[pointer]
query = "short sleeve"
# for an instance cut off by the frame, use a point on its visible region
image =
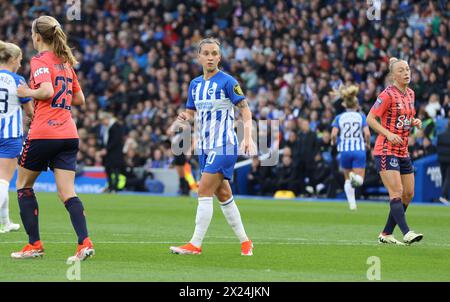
(40, 71)
(233, 91)
(381, 104)
(335, 122)
(190, 101)
(364, 122)
(75, 85)
(21, 80)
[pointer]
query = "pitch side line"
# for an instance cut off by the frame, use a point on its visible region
(305, 242)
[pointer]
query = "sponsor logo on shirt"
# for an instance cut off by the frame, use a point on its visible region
(40, 71)
(403, 122)
(55, 123)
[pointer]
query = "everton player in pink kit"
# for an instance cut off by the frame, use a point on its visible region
(395, 108)
(53, 139)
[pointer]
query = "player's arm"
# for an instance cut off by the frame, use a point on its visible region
(376, 125)
(29, 110)
(44, 92)
(367, 137)
(248, 146)
(78, 99)
(334, 134)
(78, 95)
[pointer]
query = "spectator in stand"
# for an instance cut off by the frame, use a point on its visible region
(259, 179)
(137, 60)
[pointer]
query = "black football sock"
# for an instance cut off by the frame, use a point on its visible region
(75, 208)
(29, 213)
(398, 213)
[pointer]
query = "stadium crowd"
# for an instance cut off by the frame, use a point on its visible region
(136, 59)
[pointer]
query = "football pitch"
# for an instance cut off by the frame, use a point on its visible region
(294, 241)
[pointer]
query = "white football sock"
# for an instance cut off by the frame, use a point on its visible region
(350, 193)
(232, 215)
(202, 220)
(359, 179)
(4, 202)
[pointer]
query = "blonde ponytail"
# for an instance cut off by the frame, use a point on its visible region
(61, 49)
(52, 34)
(349, 96)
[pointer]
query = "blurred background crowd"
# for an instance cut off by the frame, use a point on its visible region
(138, 57)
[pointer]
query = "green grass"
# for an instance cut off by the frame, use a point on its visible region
(294, 241)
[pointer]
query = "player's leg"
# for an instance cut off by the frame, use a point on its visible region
(392, 181)
(64, 166)
(408, 189)
(208, 185)
(407, 176)
(7, 167)
(358, 168)
(349, 190)
(29, 213)
(346, 164)
(65, 180)
(233, 216)
(9, 152)
(357, 176)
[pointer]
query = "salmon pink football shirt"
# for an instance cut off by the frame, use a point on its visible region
(396, 111)
(53, 117)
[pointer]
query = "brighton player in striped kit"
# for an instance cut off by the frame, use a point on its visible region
(395, 108)
(11, 125)
(352, 142)
(211, 100)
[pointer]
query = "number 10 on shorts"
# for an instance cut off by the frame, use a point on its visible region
(211, 157)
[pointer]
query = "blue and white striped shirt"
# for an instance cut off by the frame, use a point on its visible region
(351, 134)
(10, 110)
(214, 101)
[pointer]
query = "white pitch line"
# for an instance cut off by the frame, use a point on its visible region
(309, 242)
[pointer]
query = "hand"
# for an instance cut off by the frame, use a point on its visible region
(417, 123)
(248, 147)
(183, 116)
(23, 90)
(394, 138)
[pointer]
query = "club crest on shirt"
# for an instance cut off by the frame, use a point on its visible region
(237, 89)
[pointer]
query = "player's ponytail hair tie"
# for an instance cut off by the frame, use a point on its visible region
(392, 61)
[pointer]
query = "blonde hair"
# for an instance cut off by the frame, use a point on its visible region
(9, 51)
(52, 34)
(207, 41)
(392, 61)
(349, 96)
